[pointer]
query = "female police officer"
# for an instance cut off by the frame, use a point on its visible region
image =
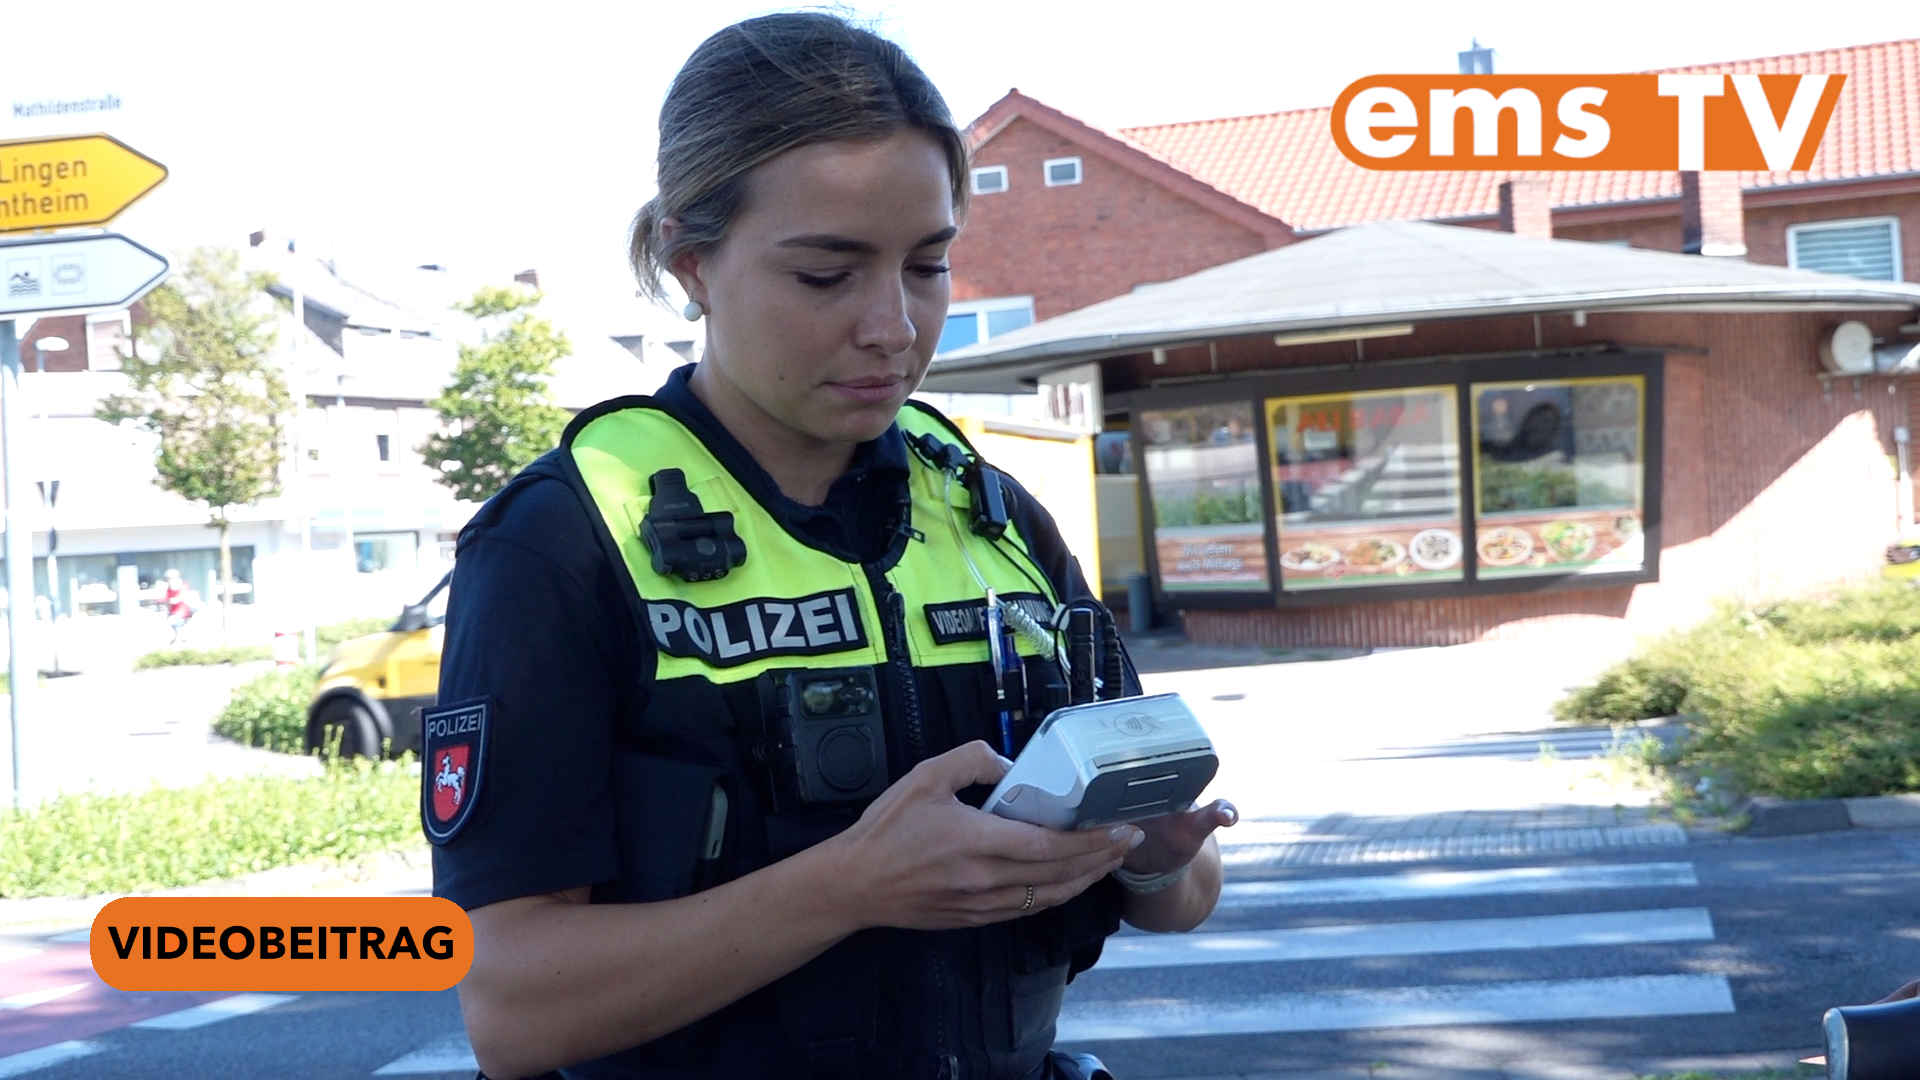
(704, 753)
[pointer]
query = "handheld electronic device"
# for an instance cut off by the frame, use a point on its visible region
(1124, 759)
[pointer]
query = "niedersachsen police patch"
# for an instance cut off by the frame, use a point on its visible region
(454, 763)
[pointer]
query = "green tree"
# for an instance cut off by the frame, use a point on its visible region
(497, 415)
(201, 376)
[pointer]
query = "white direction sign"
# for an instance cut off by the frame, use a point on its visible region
(82, 273)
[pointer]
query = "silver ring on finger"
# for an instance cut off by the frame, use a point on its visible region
(1028, 906)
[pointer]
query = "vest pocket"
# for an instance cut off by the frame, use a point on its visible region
(673, 819)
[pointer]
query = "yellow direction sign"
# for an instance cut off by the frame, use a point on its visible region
(76, 180)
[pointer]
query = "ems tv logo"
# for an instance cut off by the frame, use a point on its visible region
(1566, 122)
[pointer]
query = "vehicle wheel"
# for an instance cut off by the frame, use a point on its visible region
(352, 724)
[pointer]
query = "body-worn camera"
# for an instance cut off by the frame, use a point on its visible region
(826, 744)
(685, 539)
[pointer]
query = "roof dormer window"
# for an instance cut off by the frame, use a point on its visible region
(990, 180)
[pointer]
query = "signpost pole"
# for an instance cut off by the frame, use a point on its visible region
(84, 180)
(21, 666)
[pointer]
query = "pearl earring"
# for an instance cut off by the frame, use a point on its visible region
(693, 311)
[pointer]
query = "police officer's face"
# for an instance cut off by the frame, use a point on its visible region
(827, 297)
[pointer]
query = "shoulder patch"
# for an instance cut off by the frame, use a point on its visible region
(453, 764)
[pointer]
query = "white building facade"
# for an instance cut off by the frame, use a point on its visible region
(360, 526)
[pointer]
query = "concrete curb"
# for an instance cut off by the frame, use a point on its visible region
(1770, 816)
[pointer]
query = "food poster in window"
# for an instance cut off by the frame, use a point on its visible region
(1367, 488)
(1203, 476)
(1559, 472)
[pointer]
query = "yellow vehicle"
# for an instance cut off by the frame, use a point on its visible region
(1903, 560)
(373, 688)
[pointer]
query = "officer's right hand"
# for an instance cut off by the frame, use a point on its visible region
(920, 858)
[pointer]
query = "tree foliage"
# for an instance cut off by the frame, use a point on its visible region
(202, 377)
(497, 415)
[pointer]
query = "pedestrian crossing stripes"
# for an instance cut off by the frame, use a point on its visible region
(1408, 938)
(1437, 884)
(40, 997)
(1138, 990)
(45, 1057)
(450, 1054)
(213, 1012)
(1156, 1017)
(198, 1016)
(1573, 743)
(1514, 843)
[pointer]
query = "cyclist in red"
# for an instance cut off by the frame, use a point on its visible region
(179, 605)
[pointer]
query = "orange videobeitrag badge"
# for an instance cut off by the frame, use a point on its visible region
(281, 943)
(1685, 122)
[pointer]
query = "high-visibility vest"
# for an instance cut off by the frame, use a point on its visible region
(972, 1003)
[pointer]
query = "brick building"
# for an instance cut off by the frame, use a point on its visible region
(1416, 434)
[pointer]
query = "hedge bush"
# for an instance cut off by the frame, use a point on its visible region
(325, 640)
(1808, 698)
(1828, 720)
(83, 845)
(231, 654)
(271, 711)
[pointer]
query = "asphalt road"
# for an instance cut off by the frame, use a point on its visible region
(1596, 963)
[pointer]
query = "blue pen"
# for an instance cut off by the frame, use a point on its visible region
(997, 649)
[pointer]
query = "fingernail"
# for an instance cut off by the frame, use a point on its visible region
(1139, 838)
(1233, 813)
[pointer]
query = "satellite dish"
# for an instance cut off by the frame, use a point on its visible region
(1848, 349)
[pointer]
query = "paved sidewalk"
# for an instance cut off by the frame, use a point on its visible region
(129, 730)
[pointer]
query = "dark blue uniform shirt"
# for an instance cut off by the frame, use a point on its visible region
(539, 627)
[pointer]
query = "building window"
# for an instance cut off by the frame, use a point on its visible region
(381, 447)
(970, 322)
(990, 180)
(1558, 473)
(1860, 247)
(1203, 480)
(1062, 171)
(1368, 487)
(1454, 477)
(375, 552)
(108, 336)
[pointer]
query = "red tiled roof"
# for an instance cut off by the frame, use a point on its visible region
(1287, 165)
(1125, 152)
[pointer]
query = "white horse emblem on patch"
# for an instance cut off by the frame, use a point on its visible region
(450, 778)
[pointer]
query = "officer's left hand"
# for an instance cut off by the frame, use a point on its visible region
(1174, 839)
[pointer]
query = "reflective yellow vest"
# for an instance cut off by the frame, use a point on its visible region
(884, 1002)
(790, 599)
